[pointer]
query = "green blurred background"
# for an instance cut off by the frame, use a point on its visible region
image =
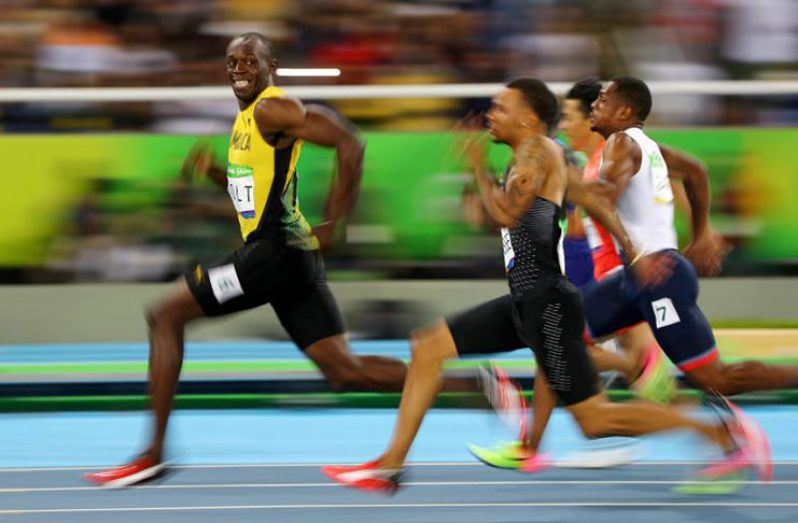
(70, 197)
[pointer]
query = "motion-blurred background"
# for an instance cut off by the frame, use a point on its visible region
(93, 190)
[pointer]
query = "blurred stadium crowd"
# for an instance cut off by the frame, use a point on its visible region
(181, 43)
(138, 219)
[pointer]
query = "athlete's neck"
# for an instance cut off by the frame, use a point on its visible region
(523, 138)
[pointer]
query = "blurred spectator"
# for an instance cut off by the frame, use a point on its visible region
(145, 42)
(761, 37)
(761, 42)
(140, 229)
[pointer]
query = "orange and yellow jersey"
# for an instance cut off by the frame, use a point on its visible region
(262, 182)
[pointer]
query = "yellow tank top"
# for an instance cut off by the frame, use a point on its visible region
(262, 181)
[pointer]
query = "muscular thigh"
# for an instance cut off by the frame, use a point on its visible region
(308, 311)
(553, 324)
(486, 329)
(243, 280)
(676, 320)
(611, 305)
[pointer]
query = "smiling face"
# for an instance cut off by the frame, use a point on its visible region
(249, 67)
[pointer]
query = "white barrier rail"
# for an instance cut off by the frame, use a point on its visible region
(338, 92)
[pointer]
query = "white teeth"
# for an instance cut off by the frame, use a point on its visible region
(241, 83)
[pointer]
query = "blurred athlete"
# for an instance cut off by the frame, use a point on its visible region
(543, 309)
(640, 362)
(634, 176)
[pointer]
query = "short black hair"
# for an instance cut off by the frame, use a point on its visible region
(258, 37)
(539, 98)
(585, 91)
(635, 92)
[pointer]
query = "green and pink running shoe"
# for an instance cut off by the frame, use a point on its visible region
(752, 446)
(513, 456)
(655, 383)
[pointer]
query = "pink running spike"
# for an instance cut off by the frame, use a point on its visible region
(754, 441)
(736, 461)
(536, 463)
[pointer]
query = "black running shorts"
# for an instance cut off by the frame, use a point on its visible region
(551, 323)
(265, 271)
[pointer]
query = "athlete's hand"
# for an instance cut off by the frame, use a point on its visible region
(472, 143)
(654, 269)
(325, 232)
(200, 160)
(707, 253)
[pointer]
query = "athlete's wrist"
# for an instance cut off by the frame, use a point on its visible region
(635, 259)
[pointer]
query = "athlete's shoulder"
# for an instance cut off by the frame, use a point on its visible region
(619, 138)
(620, 144)
(540, 151)
(272, 92)
(553, 145)
(279, 112)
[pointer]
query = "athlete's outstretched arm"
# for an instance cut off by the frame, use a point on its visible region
(706, 248)
(506, 205)
(282, 120)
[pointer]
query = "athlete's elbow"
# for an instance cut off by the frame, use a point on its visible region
(351, 151)
(351, 145)
(695, 173)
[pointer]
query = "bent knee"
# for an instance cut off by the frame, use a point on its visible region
(593, 428)
(432, 343)
(165, 316)
(156, 315)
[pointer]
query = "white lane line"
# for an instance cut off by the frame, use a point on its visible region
(658, 504)
(201, 486)
(313, 465)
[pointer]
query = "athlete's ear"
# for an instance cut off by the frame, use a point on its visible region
(529, 120)
(625, 112)
(272, 65)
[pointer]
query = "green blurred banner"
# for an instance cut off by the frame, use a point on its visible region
(411, 203)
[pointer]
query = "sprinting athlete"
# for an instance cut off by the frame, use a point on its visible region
(640, 361)
(543, 309)
(634, 176)
(280, 262)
